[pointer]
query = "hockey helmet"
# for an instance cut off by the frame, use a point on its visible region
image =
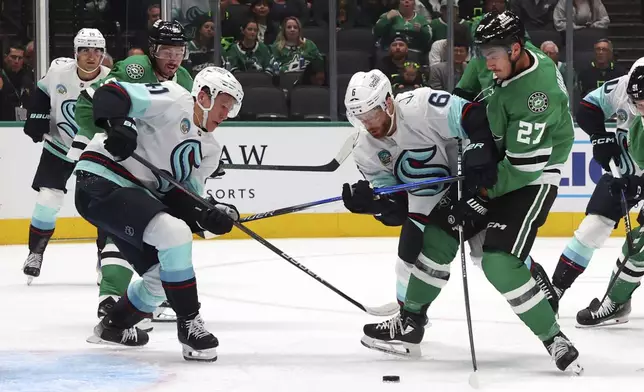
(366, 92)
(218, 80)
(89, 38)
(635, 90)
(502, 29)
(167, 33)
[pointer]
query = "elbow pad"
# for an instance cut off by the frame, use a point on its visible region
(110, 101)
(590, 118)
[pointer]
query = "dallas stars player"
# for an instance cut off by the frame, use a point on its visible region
(52, 113)
(167, 48)
(617, 306)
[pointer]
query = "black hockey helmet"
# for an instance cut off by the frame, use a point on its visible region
(635, 87)
(502, 29)
(167, 33)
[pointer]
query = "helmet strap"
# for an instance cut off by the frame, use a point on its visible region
(90, 71)
(392, 117)
(206, 111)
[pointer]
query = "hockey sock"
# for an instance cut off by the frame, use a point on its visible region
(409, 246)
(511, 277)
(116, 271)
(125, 315)
(147, 294)
(431, 270)
(630, 277)
(43, 219)
(572, 263)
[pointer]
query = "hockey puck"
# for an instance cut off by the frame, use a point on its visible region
(390, 378)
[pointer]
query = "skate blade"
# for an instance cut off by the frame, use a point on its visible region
(575, 368)
(93, 339)
(404, 350)
(607, 323)
(164, 318)
(29, 280)
(145, 325)
(208, 355)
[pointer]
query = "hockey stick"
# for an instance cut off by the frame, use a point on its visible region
(332, 166)
(629, 240)
(473, 380)
(378, 191)
(385, 310)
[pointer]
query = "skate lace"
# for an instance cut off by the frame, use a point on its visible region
(34, 260)
(543, 286)
(607, 307)
(130, 334)
(559, 348)
(197, 328)
(394, 325)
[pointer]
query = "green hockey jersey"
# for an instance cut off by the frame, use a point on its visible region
(530, 118)
(257, 59)
(636, 143)
(134, 69)
(296, 58)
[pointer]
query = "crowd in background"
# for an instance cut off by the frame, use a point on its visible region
(287, 40)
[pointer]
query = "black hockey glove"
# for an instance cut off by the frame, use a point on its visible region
(121, 138)
(632, 185)
(605, 148)
(359, 198)
(37, 125)
(215, 221)
(470, 210)
(227, 209)
(480, 160)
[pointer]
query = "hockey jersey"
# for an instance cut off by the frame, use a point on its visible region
(63, 86)
(167, 137)
(424, 146)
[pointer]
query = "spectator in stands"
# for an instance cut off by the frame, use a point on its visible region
(405, 20)
(281, 9)
(409, 79)
(135, 52)
(392, 64)
(314, 75)
(346, 11)
(371, 10)
(552, 50)
(248, 54)
(202, 48)
(230, 26)
(439, 73)
(153, 14)
(600, 70)
(16, 83)
(535, 14)
(260, 10)
(30, 55)
(108, 61)
(439, 25)
(586, 14)
(438, 53)
(291, 50)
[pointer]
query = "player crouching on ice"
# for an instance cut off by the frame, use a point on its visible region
(149, 220)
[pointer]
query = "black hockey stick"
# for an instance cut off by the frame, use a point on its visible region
(473, 380)
(629, 240)
(332, 166)
(383, 311)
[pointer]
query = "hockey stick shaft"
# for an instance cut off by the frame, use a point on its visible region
(629, 240)
(377, 191)
(204, 203)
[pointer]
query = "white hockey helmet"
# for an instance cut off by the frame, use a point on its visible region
(218, 80)
(632, 105)
(366, 91)
(89, 38)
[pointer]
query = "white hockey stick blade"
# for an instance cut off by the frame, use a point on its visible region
(346, 148)
(384, 310)
(474, 380)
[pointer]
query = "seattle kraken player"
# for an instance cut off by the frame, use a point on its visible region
(149, 220)
(52, 112)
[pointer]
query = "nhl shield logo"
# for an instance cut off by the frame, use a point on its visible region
(60, 89)
(185, 126)
(385, 157)
(538, 102)
(135, 71)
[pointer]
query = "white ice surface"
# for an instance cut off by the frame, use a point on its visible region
(280, 330)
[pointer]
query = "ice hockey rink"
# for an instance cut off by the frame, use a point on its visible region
(280, 330)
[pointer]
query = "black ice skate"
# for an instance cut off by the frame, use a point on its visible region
(606, 313)
(106, 305)
(198, 344)
(400, 335)
(106, 333)
(32, 265)
(164, 313)
(564, 354)
(540, 276)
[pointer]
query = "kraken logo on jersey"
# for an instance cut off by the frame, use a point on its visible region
(414, 166)
(538, 102)
(185, 157)
(626, 164)
(69, 126)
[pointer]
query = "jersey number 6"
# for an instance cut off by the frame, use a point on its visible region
(439, 100)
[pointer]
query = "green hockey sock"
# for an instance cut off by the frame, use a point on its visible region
(630, 277)
(116, 271)
(509, 275)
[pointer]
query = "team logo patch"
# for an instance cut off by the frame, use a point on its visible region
(385, 157)
(185, 126)
(60, 89)
(135, 71)
(622, 115)
(538, 102)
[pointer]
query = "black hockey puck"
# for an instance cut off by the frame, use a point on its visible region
(390, 378)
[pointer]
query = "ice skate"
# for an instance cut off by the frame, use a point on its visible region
(605, 313)
(164, 313)
(198, 344)
(540, 276)
(106, 333)
(564, 354)
(32, 265)
(400, 335)
(106, 305)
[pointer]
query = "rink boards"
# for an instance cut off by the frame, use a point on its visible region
(255, 191)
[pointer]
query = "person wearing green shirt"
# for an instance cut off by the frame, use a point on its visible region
(404, 20)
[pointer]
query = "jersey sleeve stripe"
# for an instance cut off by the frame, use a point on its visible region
(590, 105)
(530, 154)
(532, 166)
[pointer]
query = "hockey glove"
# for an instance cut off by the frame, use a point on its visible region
(359, 198)
(37, 125)
(121, 138)
(605, 148)
(215, 221)
(480, 160)
(469, 211)
(227, 209)
(632, 185)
